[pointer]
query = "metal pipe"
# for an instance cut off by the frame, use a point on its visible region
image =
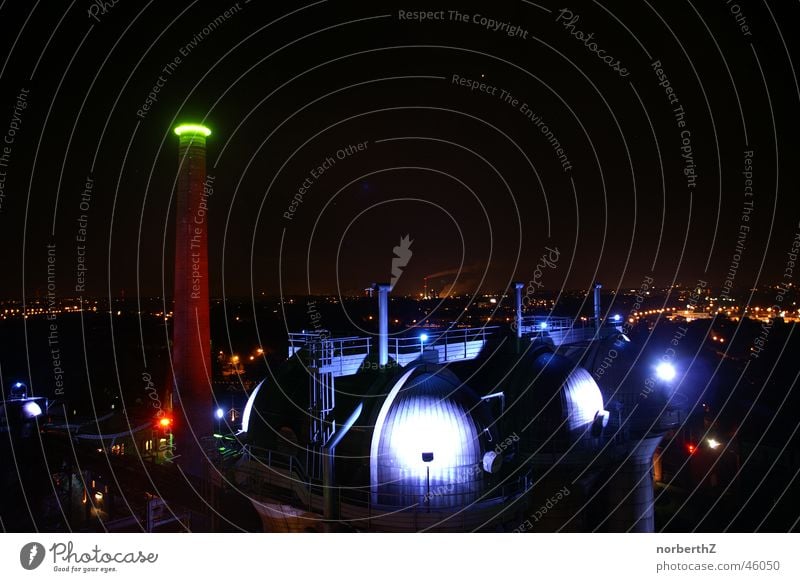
(383, 323)
(597, 287)
(518, 298)
(328, 455)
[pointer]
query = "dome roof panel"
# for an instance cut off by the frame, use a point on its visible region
(426, 447)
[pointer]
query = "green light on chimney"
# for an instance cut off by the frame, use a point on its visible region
(192, 129)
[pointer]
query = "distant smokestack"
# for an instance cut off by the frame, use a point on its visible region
(518, 299)
(191, 337)
(383, 323)
(597, 287)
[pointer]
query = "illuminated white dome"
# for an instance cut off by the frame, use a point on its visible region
(425, 425)
(563, 397)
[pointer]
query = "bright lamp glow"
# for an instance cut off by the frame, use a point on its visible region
(419, 420)
(428, 430)
(665, 371)
(192, 129)
(32, 409)
(248, 408)
(713, 443)
(423, 337)
(617, 317)
(220, 413)
(543, 325)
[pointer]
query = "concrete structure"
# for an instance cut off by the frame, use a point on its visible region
(488, 429)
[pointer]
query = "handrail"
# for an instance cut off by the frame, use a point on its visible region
(277, 460)
(362, 496)
(351, 345)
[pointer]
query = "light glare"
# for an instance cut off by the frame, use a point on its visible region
(33, 409)
(665, 371)
(192, 129)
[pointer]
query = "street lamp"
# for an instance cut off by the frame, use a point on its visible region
(427, 458)
(422, 339)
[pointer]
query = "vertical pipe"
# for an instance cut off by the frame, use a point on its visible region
(518, 300)
(597, 287)
(383, 323)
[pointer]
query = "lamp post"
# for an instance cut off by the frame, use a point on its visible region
(427, 458)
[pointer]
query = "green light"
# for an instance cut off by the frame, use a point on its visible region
(192, 129)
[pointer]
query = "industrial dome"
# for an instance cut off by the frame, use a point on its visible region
(425, 446)
(563, 401)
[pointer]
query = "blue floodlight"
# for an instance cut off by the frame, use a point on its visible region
(220, 413)
(665, 371)
(617, 317)
(543, 325)
(423, 337)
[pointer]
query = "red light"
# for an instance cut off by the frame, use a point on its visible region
(691, 449)
(165, 422)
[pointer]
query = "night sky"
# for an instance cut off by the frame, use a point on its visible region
(473, 178)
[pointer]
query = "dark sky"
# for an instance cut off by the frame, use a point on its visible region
(475, 183)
